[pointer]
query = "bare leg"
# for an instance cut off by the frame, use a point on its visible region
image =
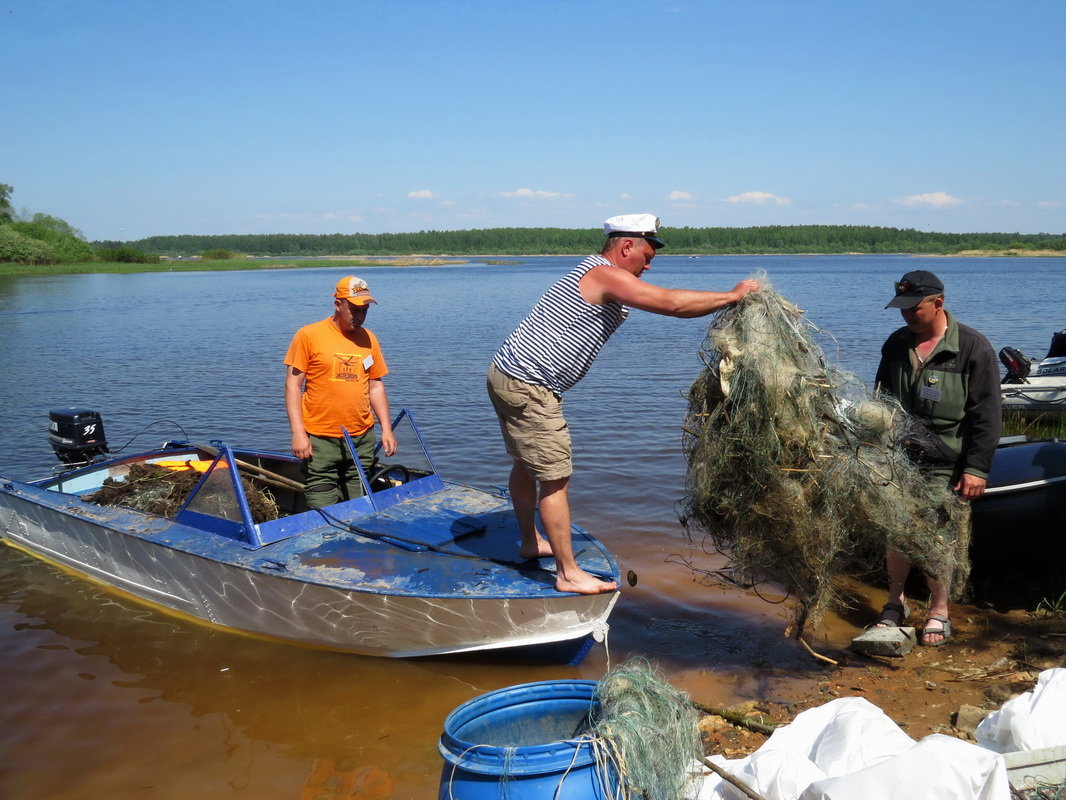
(524, 499)
(898, 567)
(938, 606)
(555, 516)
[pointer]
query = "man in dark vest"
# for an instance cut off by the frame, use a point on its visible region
(945, 374)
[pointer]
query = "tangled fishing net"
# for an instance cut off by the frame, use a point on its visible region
(646, 730)
(797, 472)
(158, 490)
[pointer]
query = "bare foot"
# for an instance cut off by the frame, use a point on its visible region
(542, 550)
(584, 583)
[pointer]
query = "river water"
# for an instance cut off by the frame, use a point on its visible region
(101, 697)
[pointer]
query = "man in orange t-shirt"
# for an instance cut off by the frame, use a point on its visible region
(333, 381)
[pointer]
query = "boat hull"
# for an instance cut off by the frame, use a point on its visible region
(1035, 398)
(1043, 393)
(1026, 494)
(228, 585)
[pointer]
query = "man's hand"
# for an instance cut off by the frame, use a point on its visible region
(745, 288)
(388, 443)
(970, 487)
(301, 445)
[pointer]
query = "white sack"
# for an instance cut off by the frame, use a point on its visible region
(1029, 721)
(848, 749)
(937, 768)
(832, 739)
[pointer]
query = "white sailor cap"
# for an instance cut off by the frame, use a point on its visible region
(634, 226)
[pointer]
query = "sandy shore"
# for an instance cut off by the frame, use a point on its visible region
(993, 656)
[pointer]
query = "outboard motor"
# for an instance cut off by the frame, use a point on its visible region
(1018, 366)
(1058, 345)
(76, 434)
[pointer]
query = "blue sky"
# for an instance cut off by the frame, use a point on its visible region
(130, 119)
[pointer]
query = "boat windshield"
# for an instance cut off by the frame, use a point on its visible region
(411, 460)
(217, 495)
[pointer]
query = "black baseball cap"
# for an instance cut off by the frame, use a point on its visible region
(914, 287)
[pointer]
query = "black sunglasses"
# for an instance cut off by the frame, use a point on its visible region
(904, 287)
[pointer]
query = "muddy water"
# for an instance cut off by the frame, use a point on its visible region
(101, 697)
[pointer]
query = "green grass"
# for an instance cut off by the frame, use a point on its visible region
(1042, 427)
(1055, 605)
(91, 267)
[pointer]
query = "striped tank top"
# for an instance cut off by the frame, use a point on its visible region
(556, 344)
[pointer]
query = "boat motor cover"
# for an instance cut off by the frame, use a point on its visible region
(1018, 366)
(1058, 345)
(76, 433)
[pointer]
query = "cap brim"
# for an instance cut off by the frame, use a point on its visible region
(905, 301)
(656, 242)
(361, 301)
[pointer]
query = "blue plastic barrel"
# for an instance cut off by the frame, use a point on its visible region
(524, 743)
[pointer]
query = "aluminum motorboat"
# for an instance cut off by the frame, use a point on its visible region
(417, 566)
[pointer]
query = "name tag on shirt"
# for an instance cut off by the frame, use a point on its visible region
(930, 393)
(368, 362)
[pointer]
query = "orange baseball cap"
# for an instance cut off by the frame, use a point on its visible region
(354, 290)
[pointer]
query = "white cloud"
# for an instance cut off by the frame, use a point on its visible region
(861, 206)
(420, 194)
(759, 198)
(537, 193)
(678, 195)
(931, 199)
(1049, 204)
(623, 196)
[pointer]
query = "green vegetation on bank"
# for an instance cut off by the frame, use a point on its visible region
(41, 240)
(40, 243)
(204, 265)
(1044, 426)
(544, 241)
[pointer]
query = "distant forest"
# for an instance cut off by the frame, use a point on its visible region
(544, 241)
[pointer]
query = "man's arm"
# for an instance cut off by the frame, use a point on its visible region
(984, 423)
(605, 284)
(294, 383)
(379, 404)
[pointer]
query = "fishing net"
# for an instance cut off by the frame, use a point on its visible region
(158, 490)
(646, 730)
(797, 472)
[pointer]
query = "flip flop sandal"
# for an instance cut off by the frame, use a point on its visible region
(899, 609)
(944, 632)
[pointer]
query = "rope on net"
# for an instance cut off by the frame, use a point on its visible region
(798, 472)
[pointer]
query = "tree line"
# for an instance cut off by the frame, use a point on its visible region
(545, 241)
(43, 239)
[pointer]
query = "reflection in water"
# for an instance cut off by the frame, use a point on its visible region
(346, 724)
(330, 780)
(210, 713)
(221, 713)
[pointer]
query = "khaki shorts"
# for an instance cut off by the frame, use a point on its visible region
(532, 424)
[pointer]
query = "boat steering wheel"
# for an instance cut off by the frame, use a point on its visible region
(403, 474)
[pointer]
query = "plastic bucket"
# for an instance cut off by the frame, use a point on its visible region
(521, 743)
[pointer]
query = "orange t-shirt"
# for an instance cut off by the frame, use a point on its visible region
(338, 371)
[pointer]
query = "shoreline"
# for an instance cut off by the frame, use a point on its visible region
(11, 269)
(993, 656)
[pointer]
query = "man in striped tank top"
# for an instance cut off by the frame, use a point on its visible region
(550, 351)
